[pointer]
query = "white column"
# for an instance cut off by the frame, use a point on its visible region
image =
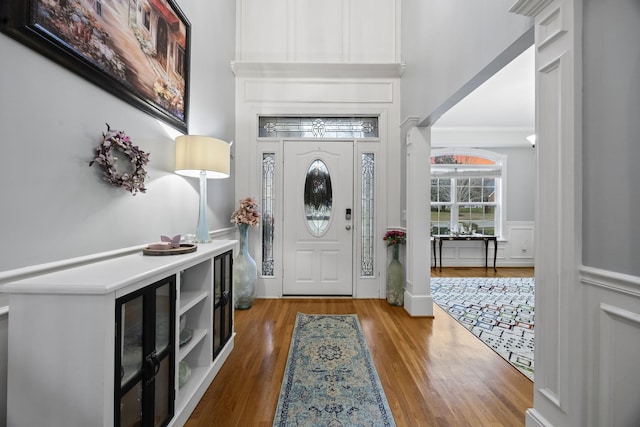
(563, 395)
(417, 295)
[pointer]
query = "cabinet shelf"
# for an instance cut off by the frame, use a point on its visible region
(198, 335)
(186, 392)
(188, 299)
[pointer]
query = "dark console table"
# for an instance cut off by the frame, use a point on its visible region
(463, 237)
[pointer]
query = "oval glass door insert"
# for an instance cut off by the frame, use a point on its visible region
(318, 197)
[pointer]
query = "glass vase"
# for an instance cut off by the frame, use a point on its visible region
(245, 272)
(395, 279)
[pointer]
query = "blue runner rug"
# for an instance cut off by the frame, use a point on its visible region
(499, 311)
(330, 379)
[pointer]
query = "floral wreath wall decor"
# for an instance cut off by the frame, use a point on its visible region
(113, 143)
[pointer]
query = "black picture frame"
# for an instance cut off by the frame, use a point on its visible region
(138, 50)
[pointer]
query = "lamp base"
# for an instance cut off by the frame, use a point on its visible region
(202, 231)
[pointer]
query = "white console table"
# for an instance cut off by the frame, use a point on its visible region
(63, 335)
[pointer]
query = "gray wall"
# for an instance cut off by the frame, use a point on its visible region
(54, 206)
(611, 132)
(450, 47)
(521, 182)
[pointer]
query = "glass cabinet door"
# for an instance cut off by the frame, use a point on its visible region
(163, 377)
(144, 365)
(222, 305)
(131, 356)
(217, 304)
(227, 312)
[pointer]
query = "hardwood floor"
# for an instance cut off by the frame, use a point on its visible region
(434, 372)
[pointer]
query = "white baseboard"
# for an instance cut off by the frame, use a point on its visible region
(418, 305)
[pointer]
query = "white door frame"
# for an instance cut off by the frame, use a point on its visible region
(363, 287)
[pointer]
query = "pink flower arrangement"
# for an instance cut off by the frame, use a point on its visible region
(247, 213)
(395, 237)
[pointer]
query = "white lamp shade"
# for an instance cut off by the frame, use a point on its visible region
(196, 153)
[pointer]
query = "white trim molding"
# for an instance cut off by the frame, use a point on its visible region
(619, 346)
(318, 70)
(559, 351)
(529, 7)
(533, 418)
(610, 280)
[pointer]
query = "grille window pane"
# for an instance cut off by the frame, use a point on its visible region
(318, 127)
(318, 197)
(368, 199)
(268, 199)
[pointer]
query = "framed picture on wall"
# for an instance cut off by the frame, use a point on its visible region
(136, 49)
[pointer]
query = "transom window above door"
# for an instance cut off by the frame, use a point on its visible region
(318, 127)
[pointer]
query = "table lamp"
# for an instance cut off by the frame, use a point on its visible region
(203, 157)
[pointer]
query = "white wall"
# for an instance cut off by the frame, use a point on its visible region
(305, 31)
(54, 206)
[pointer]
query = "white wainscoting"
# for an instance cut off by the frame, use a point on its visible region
(612, 330)
(515, 249)
(619, 373)
(335, 31)
(4, 354)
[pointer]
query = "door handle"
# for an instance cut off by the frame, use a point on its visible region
(348, 227)
(151, 365)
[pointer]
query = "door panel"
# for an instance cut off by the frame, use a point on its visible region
(318, 242)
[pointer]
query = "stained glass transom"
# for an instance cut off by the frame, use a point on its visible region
(318, 197)
(318, 127)
(368, 199)
(268, 199)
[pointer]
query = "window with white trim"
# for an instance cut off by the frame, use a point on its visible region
(466, 191)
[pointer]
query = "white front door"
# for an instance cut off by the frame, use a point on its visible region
(318, 229)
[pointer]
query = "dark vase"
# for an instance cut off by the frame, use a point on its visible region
(395, 279)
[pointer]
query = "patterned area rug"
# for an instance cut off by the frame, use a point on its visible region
(499, 311)
(330, 379)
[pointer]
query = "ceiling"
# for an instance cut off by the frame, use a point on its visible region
(506, 100)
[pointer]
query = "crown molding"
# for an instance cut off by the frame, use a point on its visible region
(410, 122)
(317, 70)
(529, 7)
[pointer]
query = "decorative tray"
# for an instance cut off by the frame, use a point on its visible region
(184, 248)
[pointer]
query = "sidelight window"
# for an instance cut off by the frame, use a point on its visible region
(367, 220)
(268, 200)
